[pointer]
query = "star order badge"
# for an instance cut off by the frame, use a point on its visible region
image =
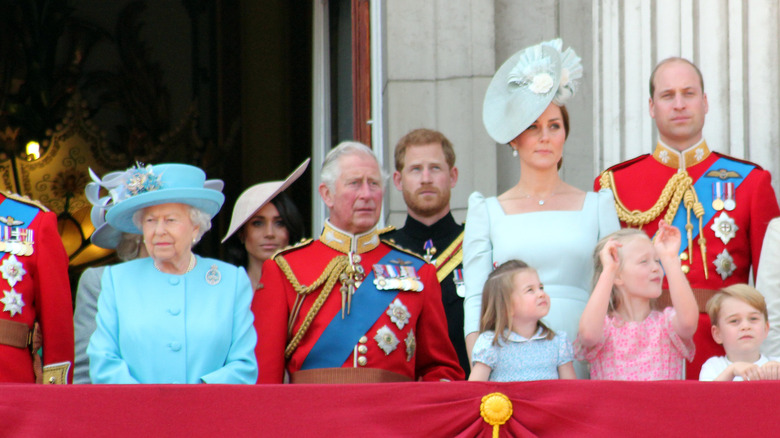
(398, 313)
(12, 270)
(724, 227)
(411, 345)
(12, 301)
(724, 264)
(386, 339)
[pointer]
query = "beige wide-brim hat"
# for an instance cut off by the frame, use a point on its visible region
(257, 196)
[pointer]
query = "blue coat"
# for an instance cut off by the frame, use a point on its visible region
(154, 327)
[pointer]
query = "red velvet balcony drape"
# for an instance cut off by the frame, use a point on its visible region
(548, 408)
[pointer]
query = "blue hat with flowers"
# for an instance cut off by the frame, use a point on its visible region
(144, 186)
(524, 86)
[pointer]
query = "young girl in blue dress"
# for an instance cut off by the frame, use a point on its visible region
(514, 344)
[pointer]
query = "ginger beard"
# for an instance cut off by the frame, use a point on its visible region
(427, 200)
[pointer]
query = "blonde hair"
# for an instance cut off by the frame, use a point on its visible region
(743, 292)
(622, 235)
(497, 300)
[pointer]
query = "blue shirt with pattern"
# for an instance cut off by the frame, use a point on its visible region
(522, 359)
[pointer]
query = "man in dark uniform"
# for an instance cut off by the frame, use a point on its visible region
(350, 307)
(425, 173)
(722, 205)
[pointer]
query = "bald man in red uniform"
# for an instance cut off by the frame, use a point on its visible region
(722, 205)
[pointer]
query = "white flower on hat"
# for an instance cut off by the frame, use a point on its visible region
(533, 70)
(541, 83)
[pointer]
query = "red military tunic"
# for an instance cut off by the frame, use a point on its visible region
(422, 349)
(732, 247)
(39, 291)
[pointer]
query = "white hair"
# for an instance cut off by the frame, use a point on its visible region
(198, 217)
(331, 171)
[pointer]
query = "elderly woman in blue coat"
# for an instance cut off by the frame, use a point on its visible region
(173, 317)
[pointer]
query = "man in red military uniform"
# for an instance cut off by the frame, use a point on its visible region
(35, 288)
(349, 307)
(721, 204)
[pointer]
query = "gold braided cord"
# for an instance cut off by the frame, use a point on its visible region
(329, 277)
(299, 288)
(450, 266)
(671, 196)
(455, 245)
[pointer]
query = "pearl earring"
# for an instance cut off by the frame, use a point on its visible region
(515, 153)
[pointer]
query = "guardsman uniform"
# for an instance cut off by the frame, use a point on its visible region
(351, 308)
(34, 288)
(442, 245)
(720, 204)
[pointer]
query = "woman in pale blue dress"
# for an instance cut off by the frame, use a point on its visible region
(542, 220)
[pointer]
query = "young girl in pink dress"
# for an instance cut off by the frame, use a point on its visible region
(620, 335)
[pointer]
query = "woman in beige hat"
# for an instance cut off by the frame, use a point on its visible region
(551, 225)
(266, 220)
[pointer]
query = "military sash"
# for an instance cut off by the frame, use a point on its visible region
(339, 338)
(704, 192)
(450, 258)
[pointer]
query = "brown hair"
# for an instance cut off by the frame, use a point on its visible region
(420, 137)
(742, 292)
(497, 300)
(667, 61)
(621, 236)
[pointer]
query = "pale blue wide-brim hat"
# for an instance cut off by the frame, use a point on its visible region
(143, 187)
(525, 85)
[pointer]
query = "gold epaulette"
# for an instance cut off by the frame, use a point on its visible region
(385, 230)
(303, 242)
(25, 200)
(395, 246)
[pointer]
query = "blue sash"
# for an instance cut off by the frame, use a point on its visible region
(339, 338)
(703, 187)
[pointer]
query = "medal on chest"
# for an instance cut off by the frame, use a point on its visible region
(15, 240)
(398, 275)
(731, 199)
(460, 285)
(12, 271)
(430, 251)
(724, 227)
(724, 264)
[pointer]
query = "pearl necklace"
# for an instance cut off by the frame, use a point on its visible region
(190, 267)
